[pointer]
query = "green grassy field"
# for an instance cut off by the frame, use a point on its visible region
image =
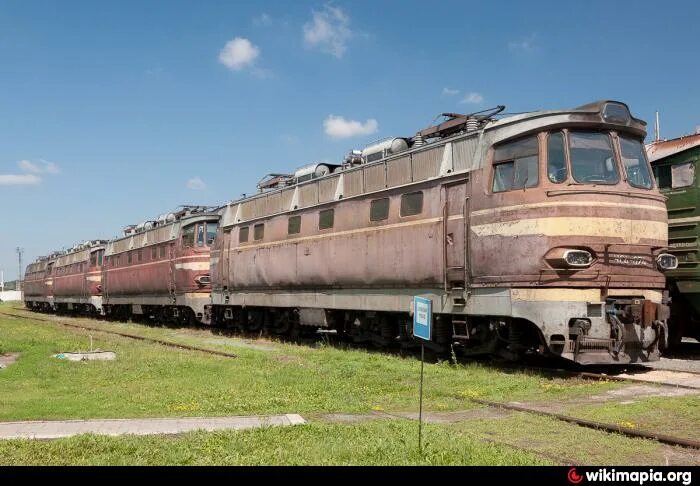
(150, 380)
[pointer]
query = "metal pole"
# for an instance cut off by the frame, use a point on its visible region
(420, 413)
(19, 275)
(657, 128)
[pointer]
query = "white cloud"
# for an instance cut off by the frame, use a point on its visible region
(339, 127)
(238, 54)
(262, 20)
(196, 184)
(328, 30)
(450, 92)
(472, 98)
(29, 166)
(524, 45)
(19, 179)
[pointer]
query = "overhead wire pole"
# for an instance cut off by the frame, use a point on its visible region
(19, 274)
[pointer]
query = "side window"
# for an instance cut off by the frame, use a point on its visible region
(100, 256)
(379, 209)
(211, 233)
(93, 259)
(140, 256)
(162, 251)
(515, 165)
(326, 218)
(188, 236)
(201, 228)
(259, 231)
(243, 234)
(129, 257)
(556, 158)
(154, 253)
(294, 225)
(411, 204)
(682, 175)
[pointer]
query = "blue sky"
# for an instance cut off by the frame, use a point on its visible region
(114, 112)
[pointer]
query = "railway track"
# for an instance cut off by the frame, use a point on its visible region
(127, 335)
(610, 428)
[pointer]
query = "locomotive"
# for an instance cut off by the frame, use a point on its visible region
(535, 234)
(159, 269)
(675, 165)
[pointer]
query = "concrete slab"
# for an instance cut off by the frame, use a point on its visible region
(163, 426)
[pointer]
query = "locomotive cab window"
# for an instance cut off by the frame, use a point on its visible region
(259, 231)
(294, 225)
(188, 236)
(592, 158)
(100, 255)
(556, 158)
(515, 165)
(93, 260)
(243, 234)
(326, 219)
(201, 229)
(212, 229)
(154, 253)
(635, 161)
(379, 209)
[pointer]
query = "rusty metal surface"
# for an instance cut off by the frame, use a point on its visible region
(666, 148)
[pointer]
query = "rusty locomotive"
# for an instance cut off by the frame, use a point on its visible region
(158, 269)
(540, 233)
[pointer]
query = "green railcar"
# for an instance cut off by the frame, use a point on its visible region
(676, 166)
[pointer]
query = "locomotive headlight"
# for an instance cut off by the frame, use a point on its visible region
(666, 261)
(570, 258)
(578, 258)
(203, 280)
(616, 113)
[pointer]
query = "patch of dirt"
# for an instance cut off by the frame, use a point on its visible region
(241, 344)
(622, 396)
(429, 417)
(678, 456)
(8, 359)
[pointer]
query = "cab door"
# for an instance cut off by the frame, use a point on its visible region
(455, 224)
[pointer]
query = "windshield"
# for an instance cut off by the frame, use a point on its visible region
(635, 163)
(592, 158)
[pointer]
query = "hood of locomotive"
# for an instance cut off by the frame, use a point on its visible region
(607, 237)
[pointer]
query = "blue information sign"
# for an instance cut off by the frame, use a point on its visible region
(422, 318)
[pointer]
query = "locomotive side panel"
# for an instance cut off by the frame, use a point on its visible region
(350, 250)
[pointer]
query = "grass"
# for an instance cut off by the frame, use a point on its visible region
(676, 416)
(149, 380)
(373, 443)
(152, 380)
(582, 445)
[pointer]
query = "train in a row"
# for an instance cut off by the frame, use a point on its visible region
(541, 233)
(675, 163)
